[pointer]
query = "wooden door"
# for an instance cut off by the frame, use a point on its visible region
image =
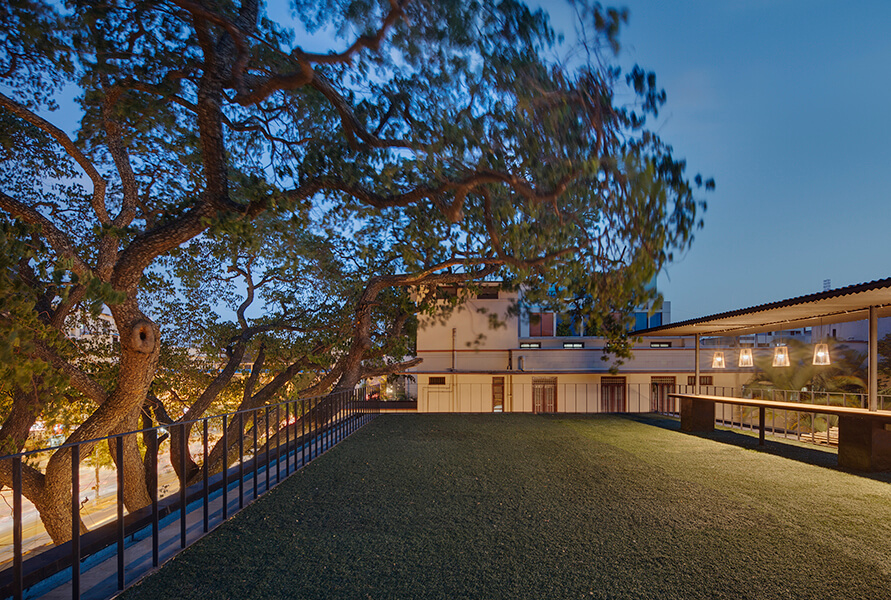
(544, 394)
(498, 394)
(612, 394)
(659, 400)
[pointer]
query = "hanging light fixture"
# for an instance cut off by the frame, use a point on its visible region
(821, 351)
(745, 357)
(781, 356)
(718, 360)
(821, 354)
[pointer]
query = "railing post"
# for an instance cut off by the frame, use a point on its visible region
(17, 575)
(240, 433)
(119, 453)
(205, 476)
(287, 439)
(225, 468)
(75, 521)
(266, 453)
(183, 447)
(153, 491)
(256, 457)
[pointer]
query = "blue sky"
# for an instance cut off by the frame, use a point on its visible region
(786, 104)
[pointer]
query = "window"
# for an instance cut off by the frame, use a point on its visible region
(530, 345)
(436, 381)
(660, 344)
(656, 320)
(568, 326)
(640, 320)
(541, 324)
(487, 295)
(573, 344)
(703, 380)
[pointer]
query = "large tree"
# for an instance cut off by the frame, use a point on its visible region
(436, 142)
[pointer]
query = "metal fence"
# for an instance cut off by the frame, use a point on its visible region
(197, 474)
(614, 395)
(609, 395)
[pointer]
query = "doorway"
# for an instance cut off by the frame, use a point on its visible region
(498, 394)
(612, 394)
(544, 394)
(659, 400)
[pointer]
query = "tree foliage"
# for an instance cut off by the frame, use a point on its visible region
(236, 198)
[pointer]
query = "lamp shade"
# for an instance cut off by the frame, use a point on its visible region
(718, 360)
(821, 354)
(781, 356)
(745, 357)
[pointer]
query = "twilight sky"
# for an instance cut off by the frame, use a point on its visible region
(787, 104)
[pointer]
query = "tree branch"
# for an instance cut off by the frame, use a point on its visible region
(79, 379)
(56, 238)
(98, 199)
(391, 368)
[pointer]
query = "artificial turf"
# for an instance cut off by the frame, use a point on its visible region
(525, 506)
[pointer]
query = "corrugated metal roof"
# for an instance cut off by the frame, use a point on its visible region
(840, 305)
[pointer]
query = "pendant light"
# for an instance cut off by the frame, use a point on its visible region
(781, 356)
(718, 360)
(821, 354)
(821, 351)
(745, 357)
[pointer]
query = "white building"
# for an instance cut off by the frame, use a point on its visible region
(546, 363)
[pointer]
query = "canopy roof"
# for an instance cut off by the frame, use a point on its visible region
(841, 305)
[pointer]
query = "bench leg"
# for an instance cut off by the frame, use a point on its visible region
(762, 417)
(864, 444)
(697, 416)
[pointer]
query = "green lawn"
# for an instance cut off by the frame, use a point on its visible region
(522, 506)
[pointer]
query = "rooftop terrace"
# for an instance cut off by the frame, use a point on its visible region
(527, 506)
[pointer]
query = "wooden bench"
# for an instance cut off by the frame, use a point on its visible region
(864, 436)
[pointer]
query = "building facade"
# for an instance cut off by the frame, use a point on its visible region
(485, 357)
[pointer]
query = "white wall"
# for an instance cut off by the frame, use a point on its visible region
(471, 323)
(576, 393)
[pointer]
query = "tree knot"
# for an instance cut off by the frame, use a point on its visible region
(142, 336)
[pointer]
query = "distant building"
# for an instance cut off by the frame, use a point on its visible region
(546, 362)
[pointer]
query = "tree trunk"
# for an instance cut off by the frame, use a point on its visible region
(136, 493)
(139, 355)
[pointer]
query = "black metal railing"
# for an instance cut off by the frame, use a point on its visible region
(197, 473)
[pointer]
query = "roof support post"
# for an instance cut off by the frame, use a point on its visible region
(873, 383)
(696, 368)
